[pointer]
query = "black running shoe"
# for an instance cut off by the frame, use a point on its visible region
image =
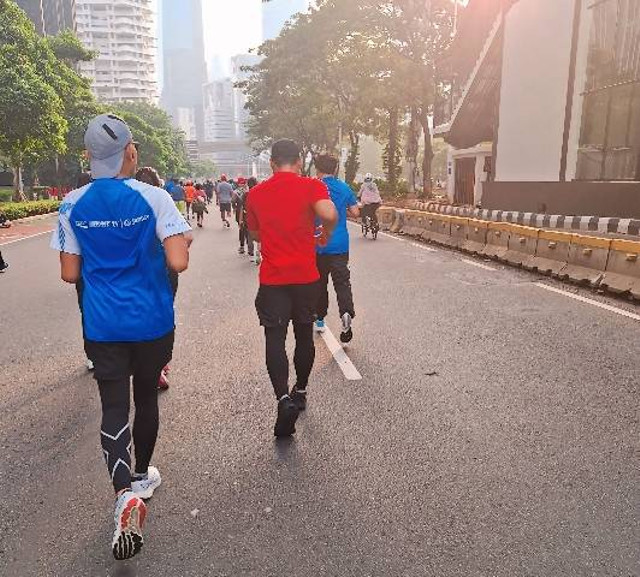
(287, 416)
(299, 397)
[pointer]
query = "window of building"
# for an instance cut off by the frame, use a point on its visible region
(610, 136)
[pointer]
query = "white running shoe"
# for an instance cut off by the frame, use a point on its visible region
(145, 487)
(129, 519)
(346, 336)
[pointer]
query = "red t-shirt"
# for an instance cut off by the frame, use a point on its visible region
(281, 210)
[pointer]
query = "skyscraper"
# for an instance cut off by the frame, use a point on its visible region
(185, 70)
(50, 16)
(123, 33)
(276, 13)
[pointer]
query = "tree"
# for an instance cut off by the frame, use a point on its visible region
(32, 122)
(203, 169)
(161, 145)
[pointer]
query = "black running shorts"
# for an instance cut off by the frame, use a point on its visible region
(225, 207)
(115, 361)
(278, 305)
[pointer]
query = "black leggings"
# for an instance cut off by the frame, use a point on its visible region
(115, 364)
(278, 362)
(115, 434)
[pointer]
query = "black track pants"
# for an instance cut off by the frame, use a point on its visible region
(278, 362)
(336, 265)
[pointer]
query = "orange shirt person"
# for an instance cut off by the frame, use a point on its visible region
(190, 194)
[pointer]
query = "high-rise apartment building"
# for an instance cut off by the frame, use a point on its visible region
(276, 13)
(124, 35)
(50, 16)
(184, 70)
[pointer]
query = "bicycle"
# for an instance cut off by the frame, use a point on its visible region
(370, 226)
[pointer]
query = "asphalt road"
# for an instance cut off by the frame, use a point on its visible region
(494, 432)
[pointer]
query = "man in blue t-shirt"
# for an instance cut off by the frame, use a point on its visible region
(120, 236)
(333, 259)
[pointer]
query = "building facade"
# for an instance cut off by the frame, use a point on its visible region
(50, 16)
(276, 13)
(548, 117)
(184, 67)
(226, 139)
(123, 34)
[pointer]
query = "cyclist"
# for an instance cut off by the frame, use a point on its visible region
(371, 200)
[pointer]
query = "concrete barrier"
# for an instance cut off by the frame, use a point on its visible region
(498, 234)
(476, 236)
(611, 264)
(431, 227)
(459, 226)
(552, 253)
(587, 260)
(414, 223)
(440, 229)
(521, 246)
(622, 274)
(385, 217)
(398, 221)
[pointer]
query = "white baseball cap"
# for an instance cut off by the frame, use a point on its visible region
(106, 139)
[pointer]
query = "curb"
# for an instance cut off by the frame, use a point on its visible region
(600, 263)
(604, 225)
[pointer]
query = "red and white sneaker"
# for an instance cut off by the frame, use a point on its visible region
(129, 519)
(163, 382)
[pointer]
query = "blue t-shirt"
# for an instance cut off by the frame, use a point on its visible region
(176, 191)
(343, 197)
(118, 227)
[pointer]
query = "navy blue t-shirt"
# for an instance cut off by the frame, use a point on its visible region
(343, 197)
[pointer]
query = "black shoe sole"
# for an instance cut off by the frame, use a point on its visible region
(286, 422)
(346, 337)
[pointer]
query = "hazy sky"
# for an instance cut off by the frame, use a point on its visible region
(231, 26)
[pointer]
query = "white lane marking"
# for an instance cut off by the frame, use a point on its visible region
(410, 243)
(344, 362)
(26, 237)
(478, 264)
(582, 299)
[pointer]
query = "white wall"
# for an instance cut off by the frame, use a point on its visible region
(580, 84)
(535, 73)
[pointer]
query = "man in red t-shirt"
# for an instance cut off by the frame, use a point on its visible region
(282, 214)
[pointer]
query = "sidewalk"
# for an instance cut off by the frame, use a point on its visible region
(28, 227)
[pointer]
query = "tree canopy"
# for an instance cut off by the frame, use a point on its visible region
(45, 106)
(350, 68)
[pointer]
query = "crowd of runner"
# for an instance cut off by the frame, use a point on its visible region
(124, 238)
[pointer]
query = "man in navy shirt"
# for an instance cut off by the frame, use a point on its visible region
(333, 259)
(121, 236)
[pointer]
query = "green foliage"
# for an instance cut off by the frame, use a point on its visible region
(161, 145)
(68, 48)
(32, 123)
(348, 66)
(6, 194)
(16, 210)
(203, 169)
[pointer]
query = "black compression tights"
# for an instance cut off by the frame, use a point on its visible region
(115, 434)
(278, 362)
